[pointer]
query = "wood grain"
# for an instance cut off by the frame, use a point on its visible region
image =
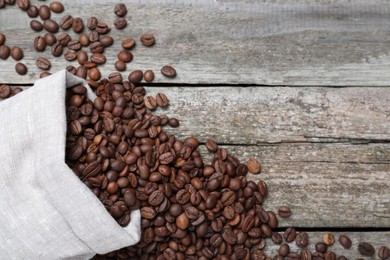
(338, 43)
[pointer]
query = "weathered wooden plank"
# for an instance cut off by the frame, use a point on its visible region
(377, 239)
(253, 115)
(250, 42)
(325, 185)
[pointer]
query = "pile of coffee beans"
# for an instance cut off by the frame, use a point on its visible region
(117, 146)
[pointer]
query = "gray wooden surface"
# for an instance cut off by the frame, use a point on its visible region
(321, 129)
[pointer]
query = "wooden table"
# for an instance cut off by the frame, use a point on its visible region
(301, 85)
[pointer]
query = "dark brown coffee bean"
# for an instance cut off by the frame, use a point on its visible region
(20, 68)
(289, 234)
(64, 39)
(321, 247)
(56, 49)
(43, 63)
(283, 211)
(211, 146)
(36, 25)
(306, 254)
(330, 255)
(70, 55)
(5, 91)
(366, 249)
(96, 47)
(50, 39)
(302, 239)
(183, 196)
(125, 56)
(56, 7)
(135, 76)
(383, 252)
(77, 25)
(229, 236)
(98, 58)
(345, 241)
(44, 12)
(4, 52)
(74, 45)
(328, 238)
(120, 65)
(168, 71)
(23, 4)
(84, 40)
(16, 53)
(2, 39)
(107, 40)
(66, 22)
(82, 57)
(156, 198)
(115, 77)
(102, 28)
(276, 238)
(50, 26)
(150, 102)
(149, 76)
(128, 43)
(173, 122)
(120, 23)
(162, 100)
(147, 39)
(94, 74)
(92, 22)
(120, 10)
(284, 250)
(39, 43)
(32, 11)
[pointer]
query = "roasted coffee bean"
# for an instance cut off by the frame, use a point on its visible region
(36, 25)
(66, 22)
(328, 238)
(254, 166)
(115, 77)
(20, 68)
(289, 234)
(125, 56)
(16, 53)
(50, 26)
(147, 39)
(149, 76)
(50, 39)
(302, 239)
(135, 76)
(283, 211)
(32, 11)
(39, 43)
(107, 41)
(96, 47)
(5, 91)
(276, 238)
(82, 57)
(284, 250)
(211, 146)
(168, 71)
(162, 100)
(128, 43)
(44, 12)
(56, 7)
(120, 65)
(23, 4)
(173, 122)
(92, 22)
(120, 10)
(306, 254)
(120, 23)
(98, 58)
(94, 74)
(321, 247)
(366, 249)
(64, 39)
(383, 252)
(74, 45)
(345, 241)
(330, 255)
(2, 39)
(84, 40)
(70, 55)
(77, 25)
(56, 49)
(43, 63)
(102, 28)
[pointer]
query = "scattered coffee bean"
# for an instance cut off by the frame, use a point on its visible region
(50, 26)
(92, 22)
(173, 122)
(44, 74)
(44, 12)
(82, 57)
(149, 76)
(56, 7)
(366, 249)
(94, 74)
(39, 43)
(120, 65)
(93, 36)
(345, 241)
(328, 238)
(96, 47)
(321, 247)
(23, 4)
(107, 41)
(128, 43)
(56, 49)
(32, 11)
(120, 10)
(2, 39)
(36, 25)
(50, 39)
(289, 234)
(120, 23)
(84, 40)
(162, 100)
(102, 28)
(16, 53)
(253, 166)
(135, 76)
(125, 56)
(383, 252)
(74, 45)
(70, 55)
(4, 52)
(66, 22)
(284, 250)
(20, 68)
(283, 211)
(147, 39)
(168, 71)
(98, 58)
(77, 25)
(5, 91)
(43, 63)
(302, 239)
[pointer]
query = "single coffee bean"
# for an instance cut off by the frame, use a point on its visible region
(44, 74)
(70, 55)
(289, 234)
(306, 254)
(162, 100)
(82, 57)
(50, 39)
(366, 249)
(66, 22)
(253, 166)
(120, 10)
(120, 23)
(92, 22)
(328, 238)
(43, 63)
(284, 250)
(102, 28)
(39, 43)
(44, 12)
(50, 26)
(283, 211)
(330, 255)
(64, 38)
(94, 74)
(36, 25)
(2, 39)
(93, 36)
(23, 4)
(168, 71)
(56, 49)
(5, 91)
(173, 122)
(120, 65)
(383, 252)
(302, 239)
(32, 11)
(74, 45)
(16, 53)
(115, 77)
(56, 7)
(149, 76)
(147, 39)
(77, 25)
(125, 56)
(276, 238)
(96, 47)
(321, 247)
(98, 58)
(84, 40)
(345, 241)
(128, 43)
(107, 40)
(135, 76)
(20, 68)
